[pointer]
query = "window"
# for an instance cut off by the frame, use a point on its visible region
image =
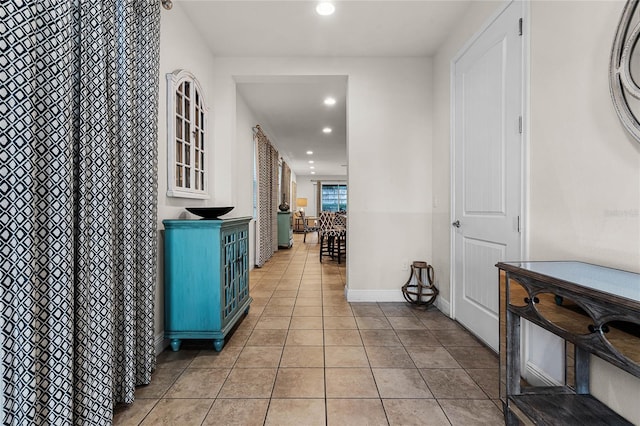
(334, 197)
(186, 137)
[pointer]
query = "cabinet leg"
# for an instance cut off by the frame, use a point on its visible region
(246, 311)
(175, 344)
(218, 344)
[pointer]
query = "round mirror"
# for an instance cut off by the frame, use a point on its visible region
(624, 70)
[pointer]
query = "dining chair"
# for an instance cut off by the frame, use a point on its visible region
(306, 227)
(332, 237)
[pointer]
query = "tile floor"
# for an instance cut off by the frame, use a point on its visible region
(304, 356)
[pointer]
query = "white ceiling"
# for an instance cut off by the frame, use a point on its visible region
(292, 107)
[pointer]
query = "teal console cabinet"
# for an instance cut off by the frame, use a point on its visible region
(206, 278)
(285, 230)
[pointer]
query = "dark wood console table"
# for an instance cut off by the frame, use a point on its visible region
(596, 310)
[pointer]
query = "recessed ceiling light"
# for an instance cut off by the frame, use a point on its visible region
(312, 167)
(310, 161)
(327, 130)
(313, 173)
(325, 8)
(330, 101)
(309, 152)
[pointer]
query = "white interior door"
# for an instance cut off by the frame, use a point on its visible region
(487, 145)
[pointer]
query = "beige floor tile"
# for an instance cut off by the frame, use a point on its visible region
(455, 337)
(277, 311)
(471, 412)
(486, 378)
(339, 323)
(273, 323)
(389, 357)
(338, 311)
(171, 412)
(414, 412)
(249, 383)
(474, 357)
(302, 356)
(296, 412)
(237, 412)
(198, 383)
(226, 358)
(299, 383)
(281, 301)
(238, 338)
(161, 380)
(337, 301)
(452, 383)
(399, 309)
(355, 412)
(406, 323)
(400, 383)
(431, 357)
(176, 360)
(309, 301)
(307, 311)
(436, 320)
(372, 323)
(305, 338)
(345, 356)
(342, 338)
(132, 414)
(306, 323)
(259, 357)
(366, 310)
(310, 293)
(417, 338)
(350, 383)
(380, 338)
(285, 293)
(262, 293)
(267, 338)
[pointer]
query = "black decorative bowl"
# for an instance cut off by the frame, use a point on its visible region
(209, 212)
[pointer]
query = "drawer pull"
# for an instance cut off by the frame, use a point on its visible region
(535, 300)
(603, 328)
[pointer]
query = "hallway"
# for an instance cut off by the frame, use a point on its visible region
(304, 356)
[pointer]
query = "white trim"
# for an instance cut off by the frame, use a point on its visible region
(374, 295)
(160, 343)
(537, 377)
(444, 306)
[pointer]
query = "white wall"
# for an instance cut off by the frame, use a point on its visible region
(585, 170)
(307, 188)
(389, 147)
(176, 33)
(584, 181)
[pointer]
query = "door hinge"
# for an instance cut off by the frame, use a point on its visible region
(520, 27)
(520, 124)
(518, 223)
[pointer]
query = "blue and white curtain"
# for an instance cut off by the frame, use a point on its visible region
(78, 196)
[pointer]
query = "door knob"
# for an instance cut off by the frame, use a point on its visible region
(456, 224)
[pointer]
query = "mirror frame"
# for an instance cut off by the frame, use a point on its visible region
(621, 83)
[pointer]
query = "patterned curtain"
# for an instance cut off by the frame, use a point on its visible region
(78, 196)
(267, 222)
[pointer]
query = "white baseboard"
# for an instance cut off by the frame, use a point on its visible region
(160, 343)
(374, 295)
(537, 377)
(443, 306)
